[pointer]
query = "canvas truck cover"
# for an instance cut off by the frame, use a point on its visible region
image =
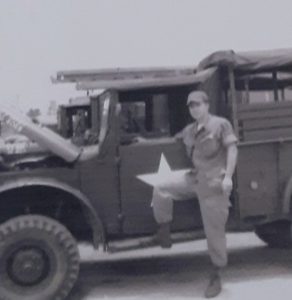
(250, 61)
(45, 137)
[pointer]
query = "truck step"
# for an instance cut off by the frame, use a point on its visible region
(147, 242)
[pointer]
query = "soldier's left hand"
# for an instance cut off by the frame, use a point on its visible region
(227, 185)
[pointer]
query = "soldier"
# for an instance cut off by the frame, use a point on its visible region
(212, 146)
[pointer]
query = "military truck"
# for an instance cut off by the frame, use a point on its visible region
(64, 193)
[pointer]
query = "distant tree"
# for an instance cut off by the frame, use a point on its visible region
(33, 113)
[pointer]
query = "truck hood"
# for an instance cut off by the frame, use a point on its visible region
(46, 138)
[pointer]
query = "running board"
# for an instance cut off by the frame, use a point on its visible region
(147, 242)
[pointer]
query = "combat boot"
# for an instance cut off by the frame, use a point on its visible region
(162, 237)
(214, 286)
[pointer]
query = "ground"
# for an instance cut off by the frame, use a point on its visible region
(254, 272)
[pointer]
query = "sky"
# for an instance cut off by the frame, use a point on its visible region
(40, 37)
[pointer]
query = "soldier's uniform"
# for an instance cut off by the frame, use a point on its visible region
(206, 146)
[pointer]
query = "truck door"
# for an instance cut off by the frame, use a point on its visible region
(99, 175)
(150, 118)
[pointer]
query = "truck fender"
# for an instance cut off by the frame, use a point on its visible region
(93, 218)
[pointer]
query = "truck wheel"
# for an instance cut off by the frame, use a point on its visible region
(277, 234)
(39, 259)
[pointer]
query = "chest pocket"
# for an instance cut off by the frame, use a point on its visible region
(189, 144)
(208, 145)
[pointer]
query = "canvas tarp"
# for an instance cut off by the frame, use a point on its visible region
(251, 61)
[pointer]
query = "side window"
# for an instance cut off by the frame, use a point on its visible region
(153, 114)
(133, 117)
(161, 117)
(147, 117)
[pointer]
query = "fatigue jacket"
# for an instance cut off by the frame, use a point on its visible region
(207, 148)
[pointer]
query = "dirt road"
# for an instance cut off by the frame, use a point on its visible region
(254, 272)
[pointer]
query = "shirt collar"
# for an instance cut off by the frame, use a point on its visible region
(198, 127)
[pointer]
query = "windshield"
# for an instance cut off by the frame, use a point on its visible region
(32, 138)
(89, 124)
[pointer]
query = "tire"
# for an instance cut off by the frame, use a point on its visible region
(39, 259)
(277, 234)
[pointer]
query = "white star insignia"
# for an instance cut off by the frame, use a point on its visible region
(163, 175)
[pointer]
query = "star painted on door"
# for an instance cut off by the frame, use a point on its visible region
(163, 175)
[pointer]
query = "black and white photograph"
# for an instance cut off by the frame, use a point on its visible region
(145, 149)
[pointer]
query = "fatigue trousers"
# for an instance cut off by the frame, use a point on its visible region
(214, 206)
